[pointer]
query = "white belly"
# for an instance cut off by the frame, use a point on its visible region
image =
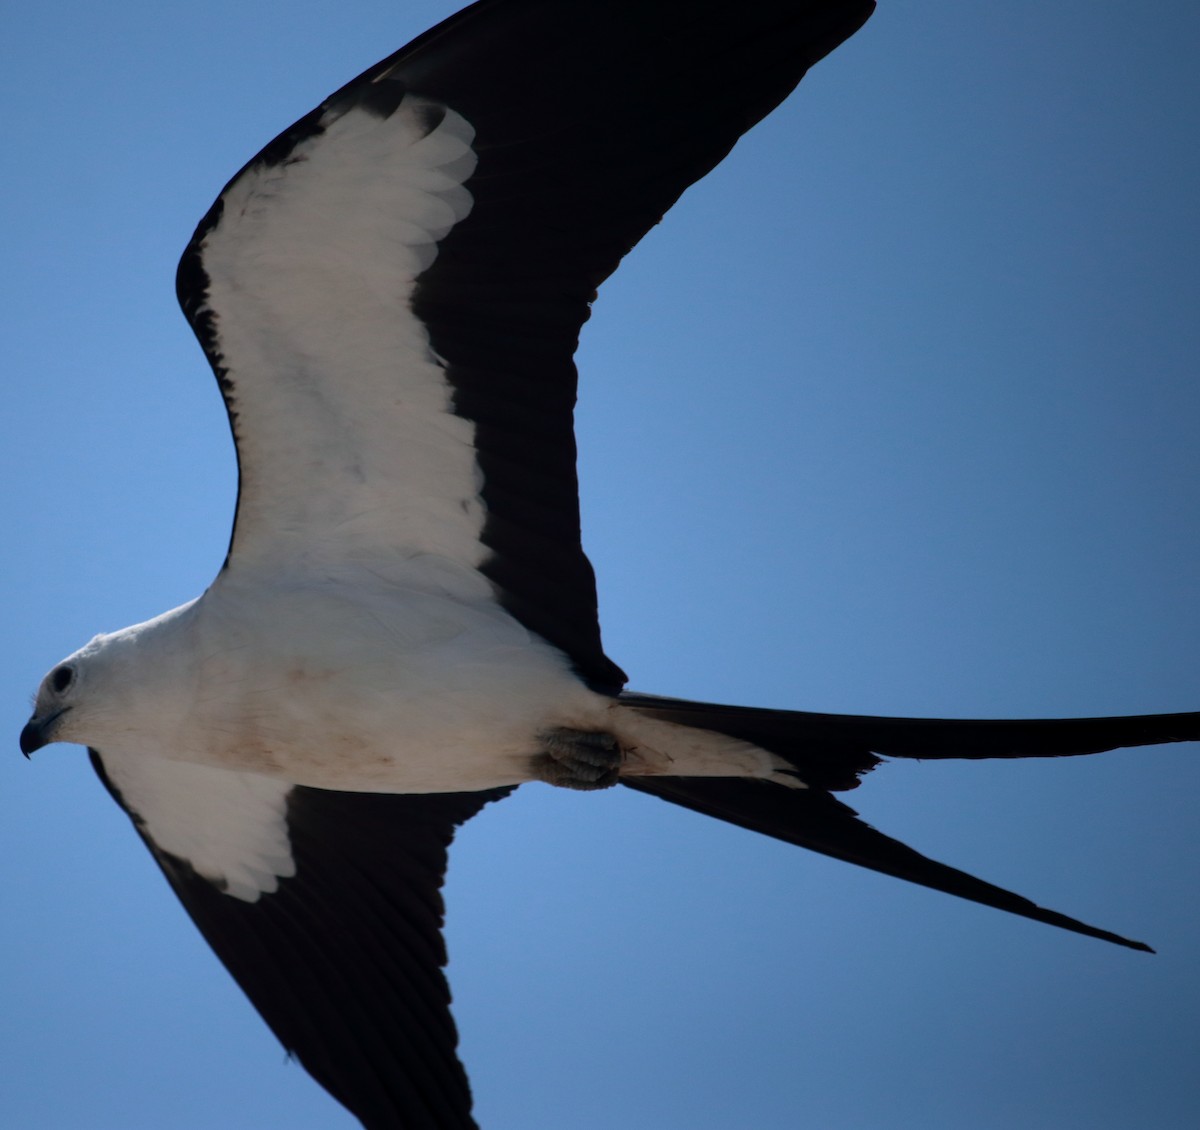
(378, 688)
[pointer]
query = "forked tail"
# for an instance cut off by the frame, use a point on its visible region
(830, 752)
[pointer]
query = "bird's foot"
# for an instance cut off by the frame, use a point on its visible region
(577, 759)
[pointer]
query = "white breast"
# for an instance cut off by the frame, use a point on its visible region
(361, 682)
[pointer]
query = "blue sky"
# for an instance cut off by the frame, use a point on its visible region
(896, 413)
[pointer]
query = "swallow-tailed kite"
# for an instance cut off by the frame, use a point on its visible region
(405, 627)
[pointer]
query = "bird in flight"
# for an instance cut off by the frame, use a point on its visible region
(405, 626)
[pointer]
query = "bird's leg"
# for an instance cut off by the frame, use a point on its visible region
(577, 759)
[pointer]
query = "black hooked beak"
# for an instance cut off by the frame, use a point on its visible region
(39, 732)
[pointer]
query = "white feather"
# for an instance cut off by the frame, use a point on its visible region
(351, 447)
(229, 826)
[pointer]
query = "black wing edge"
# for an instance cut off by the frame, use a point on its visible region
(344, 961)
(832, 751)
(606, 114)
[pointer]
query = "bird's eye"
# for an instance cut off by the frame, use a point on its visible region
(62, 677)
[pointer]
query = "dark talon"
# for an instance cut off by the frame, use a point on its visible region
(578, 759)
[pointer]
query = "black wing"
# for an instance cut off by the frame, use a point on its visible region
(342, 957)
(391, 292)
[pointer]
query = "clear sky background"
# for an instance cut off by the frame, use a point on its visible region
(897, 413)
